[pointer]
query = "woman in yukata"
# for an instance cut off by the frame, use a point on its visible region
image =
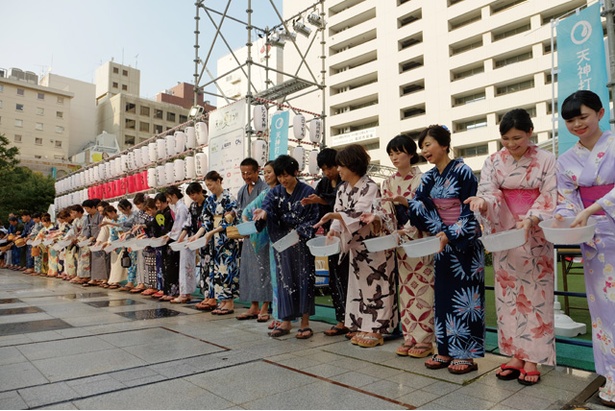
(459, 285)
(585, 184)
(112, 222)
(517, 190)
(126, 223)
(187, 257)
(219, 212)
(295, 270)
(416, 275)
(264, 267)
(152, 260)
(371, 299)
(168, 280)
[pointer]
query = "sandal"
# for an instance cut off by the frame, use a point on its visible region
(137, 290)
(246, 316)
(204, 307)
(354, 340)
(420, 350)
(223, 311)
(440, 363)
(278, 332)
(370, 340)
(149, 291)
(304, 333)
(262, 318)
(512, 375)
(521, 380)
(335, 330)
(181, 300)
(274, 324)
(471, 366)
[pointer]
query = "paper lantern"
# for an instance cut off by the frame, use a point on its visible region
(169, 141)
(124, 163)
(202, 133)
(299, 126)
(190, 167)
(190, 137)
(169, 172)
(131, 180)
(161, 179)
(201, 164)
(153, 151)
(180, 141)
(259, 151)
(152, 177)
(180, 169)
(145, 156)
(299, 155)
(314, 169)
(315, 130)
(142, 181)
(259, 118)
(161, 149)
(122, 186)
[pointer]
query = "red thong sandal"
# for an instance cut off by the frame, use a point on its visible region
(521, 380)
(512, 375)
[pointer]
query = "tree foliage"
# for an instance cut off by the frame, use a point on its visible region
(8, 155)
(23, 189)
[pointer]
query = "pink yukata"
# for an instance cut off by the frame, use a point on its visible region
(515, 190)
(580, 169)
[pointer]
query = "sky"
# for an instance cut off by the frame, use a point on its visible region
(71, 38)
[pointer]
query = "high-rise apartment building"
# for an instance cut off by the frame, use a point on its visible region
(399, 66)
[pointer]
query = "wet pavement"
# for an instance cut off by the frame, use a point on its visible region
(64, 348)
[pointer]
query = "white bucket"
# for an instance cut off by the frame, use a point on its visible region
(201, 164)
(202, 133)
(161, 179)
(169, 172)
(152, 179)
(161, 149)
(170, 144)
(180, 141)
(153, 151)
(287, 241)
(190, 137)
(180, 169)
(382, 243)
(190, 167)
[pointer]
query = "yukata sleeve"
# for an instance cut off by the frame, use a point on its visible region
(230, 206)
(568, 198)
(544, 173)
(498, 214)
(365, 204)
(307, 216)
(422, 211)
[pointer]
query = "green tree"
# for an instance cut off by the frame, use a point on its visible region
(8, 155)
(23, 189)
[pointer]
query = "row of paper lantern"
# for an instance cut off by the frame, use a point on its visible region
(161, 149)
(261, 122)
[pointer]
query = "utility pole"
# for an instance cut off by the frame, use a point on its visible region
(609, 14)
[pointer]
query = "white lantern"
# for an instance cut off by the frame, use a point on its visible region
(259, 151)
(190, 167)
(202, 133)
(299, 126)
(315, 130)
(151, 177)
(190, 137)
(124, 163)
(161, 149)
(180, 141)
(314, 169)
(170, 144)
(118, 166)
(299, 155)
(201, 164)
(145, 155)
(161, 176)
(259, 118)
(153, 151)
(180, 169)
(169, 172)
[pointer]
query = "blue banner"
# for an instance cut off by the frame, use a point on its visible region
(278, 137)
(582, 64)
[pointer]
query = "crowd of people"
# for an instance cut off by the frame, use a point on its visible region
(437, 301)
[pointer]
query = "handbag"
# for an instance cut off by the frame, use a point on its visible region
(125, 259)
(35, 251)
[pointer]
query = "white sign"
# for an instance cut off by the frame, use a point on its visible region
(353, 137)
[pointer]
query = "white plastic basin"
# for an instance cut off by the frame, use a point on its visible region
(175, 246)
(247, 228)
(421, 247)
(158, 241)
(323, 246)
(504, 240)
(385, 242)
(287, 241)
(559, 232)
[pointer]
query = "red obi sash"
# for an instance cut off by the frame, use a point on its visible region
(589, 195)
(520, 200)
(449, 209)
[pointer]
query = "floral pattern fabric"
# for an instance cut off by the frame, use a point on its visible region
(524, 281)
(580, 167)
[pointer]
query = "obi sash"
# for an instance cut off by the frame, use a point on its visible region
(520, 200)
(449, 209)
(589, 195)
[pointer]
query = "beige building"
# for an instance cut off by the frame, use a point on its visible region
(123, 113)
(399, 66)
(36, 119)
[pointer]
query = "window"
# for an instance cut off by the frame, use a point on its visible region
(131, 108)
(549, 78)
(468, 72)
(40, 96)
(513, 88)
(18, 123)
(474, 151)
(115, 85)
(410, 41)
(38, 126)
(464, 20)
(412, 111)
(143, 126)
(59, 129)
(124, 72)
(17, 138)
(116, 70)
(59, 114)
(513, 59)
(1, 88)
(158, 114)
(38, 141)
(19, 107)
(471, 124)
(58, 143)
(466, 45)
(144, 111)
(124, 87)
(183, 118)
(409, 18)
(129, 140)
(40, 111)
(411, 64)
(511, 32)
(20, 92)
(157, 128)
(502, 5)
(472, 98)
(38, 157)
(130, 124)
(412, 88)
(170, 116)
(60, 100)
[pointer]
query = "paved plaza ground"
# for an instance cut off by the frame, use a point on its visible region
(63, 346)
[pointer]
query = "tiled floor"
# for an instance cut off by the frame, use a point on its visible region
(66, 347)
